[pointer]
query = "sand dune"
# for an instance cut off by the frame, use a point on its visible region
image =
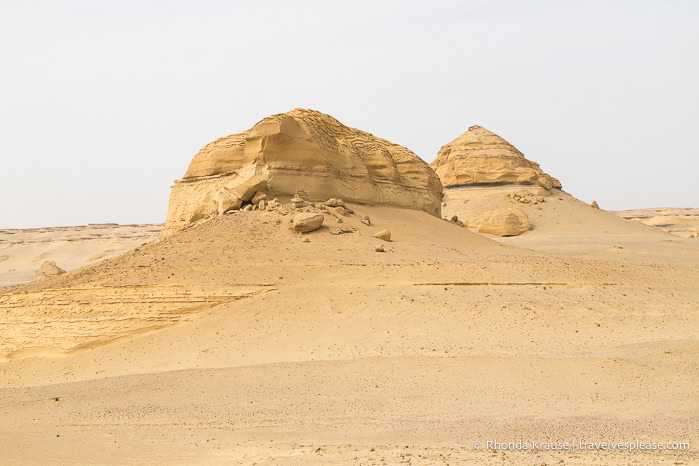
(351, 355)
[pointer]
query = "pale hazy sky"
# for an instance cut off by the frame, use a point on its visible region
(105, 103)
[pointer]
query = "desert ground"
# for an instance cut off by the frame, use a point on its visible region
(680, 222)
(245, 332)
(237, 342)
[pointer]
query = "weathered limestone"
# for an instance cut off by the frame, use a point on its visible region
(480, 157)
(301, 148)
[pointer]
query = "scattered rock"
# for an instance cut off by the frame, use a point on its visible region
(307, 222)
(227, 200)
(379, 248)
(305, 240)
(383, 234)
(456, 220)
(340, 229)
(503, 222)
(298, 202)
(247, 208)
(49, 269)
(261, 205)
(273, 204)
(334, 202)
(259, 196)
(303, 194)
(594, 205)
(366, 220)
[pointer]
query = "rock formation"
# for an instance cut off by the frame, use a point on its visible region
(480, 157)
(301, 148)
(502, 222)
(49, 269)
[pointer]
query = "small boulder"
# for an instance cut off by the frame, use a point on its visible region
(247, 208)
(502, 222)
(383, 234)
(247, 189)
(379, 248)
(333, 202)
(340, 229)
(49, 269)
(366, 220)
(261, 205)
(298, 203)
(227, 200)
(307, 221)
(302, 194)
(594, 205)
(259, 196)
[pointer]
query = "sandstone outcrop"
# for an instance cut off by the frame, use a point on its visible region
(49, 269)
(301, 148)
(502, 222)
(481, 157)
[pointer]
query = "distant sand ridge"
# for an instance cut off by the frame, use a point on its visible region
(302, 149)
(23, 251)
(680, 222)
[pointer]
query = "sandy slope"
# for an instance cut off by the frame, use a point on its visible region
(22, 251)
(327, 352)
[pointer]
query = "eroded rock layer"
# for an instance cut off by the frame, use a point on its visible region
(481, 157)
(302, 149)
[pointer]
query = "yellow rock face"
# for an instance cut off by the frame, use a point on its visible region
(480, 157)
(310, 150)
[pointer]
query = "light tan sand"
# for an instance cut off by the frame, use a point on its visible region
(237, 343)
(22, 251)
(680, 222)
